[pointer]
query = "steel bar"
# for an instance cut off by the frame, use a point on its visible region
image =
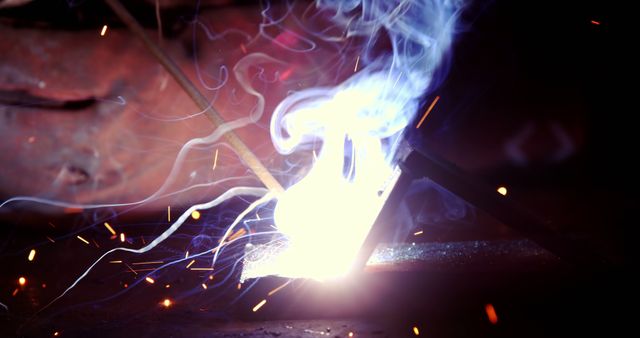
(249, 158)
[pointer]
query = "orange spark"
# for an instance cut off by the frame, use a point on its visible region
(195, 214)
(272, 292)
(259, 305)
(168, 213)
(113, 232)
(433, 104)
(239, 286)
(416, 331)
(104, 30)
(191, 263)
(355, 69)
(491, 313)
(32, 255)
(22, 281)
(82, 239)
(417, 233)
(55, 334)
(150, 280)
(237, 234)
(502, 191)
(204, 286)
(167, 302)
(594, 22)
(167, 286)
(146, 263)
(122, 237)
(243, 48)
(215, 160)
(350, 334)
(72, 210)
(201, 269)
(50, 239)
(285, 75)
(115, 262)
(15, 292)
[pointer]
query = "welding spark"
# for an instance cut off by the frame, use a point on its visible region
(190, 264)
(104, 30)
(106, 225)
(272, 292)
(426, 113)
(259, 305)
(236, 191)
(22, 281)
(201, 269)
(32, 255)
(358, 124)
(491, 314)
(502, 191)
(82, 239)
(215, 160)
(147, 263)
(417, 233)
(416, 331)
(150, 280)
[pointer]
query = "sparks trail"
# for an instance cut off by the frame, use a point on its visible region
(245, 191)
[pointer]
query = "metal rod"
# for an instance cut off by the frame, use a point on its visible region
(502, 208)
(249, 158)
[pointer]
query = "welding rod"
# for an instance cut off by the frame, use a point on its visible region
(250, 159)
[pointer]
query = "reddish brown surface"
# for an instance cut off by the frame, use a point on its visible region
(110, 152)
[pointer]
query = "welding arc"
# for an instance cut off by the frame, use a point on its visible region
(250, 159)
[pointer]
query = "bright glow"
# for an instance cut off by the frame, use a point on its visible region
(167, 302)
(502, 191)
(104, 30)
(122, 238)
(195, 214)
(327, 214)
(150, 280)
(32, 255)
(416, 331)
(22, 281)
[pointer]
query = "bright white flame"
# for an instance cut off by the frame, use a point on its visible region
(328, 213)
